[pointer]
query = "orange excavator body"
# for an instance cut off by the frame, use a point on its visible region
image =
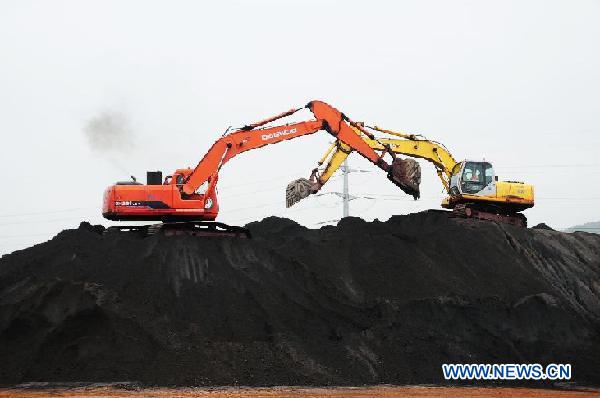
(132, 201)
(178, 198)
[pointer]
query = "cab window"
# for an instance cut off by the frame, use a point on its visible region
(489, 173)
(473, 172)
(472, 179)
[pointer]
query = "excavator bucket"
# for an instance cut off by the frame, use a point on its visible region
(297, 190)
(406, 173)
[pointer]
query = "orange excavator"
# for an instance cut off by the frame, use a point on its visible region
(190, 196)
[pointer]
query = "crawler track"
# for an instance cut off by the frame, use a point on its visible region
(194, 228)
(471, 211)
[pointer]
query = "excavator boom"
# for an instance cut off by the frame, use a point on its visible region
(235, 143)
(180, 197)
(412, 146)
(405, 173)
(472, 186)
(251, 137)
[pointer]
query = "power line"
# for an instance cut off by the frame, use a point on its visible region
(548, 165)
(277, 188)
(345, 194)
(253, 207)
(41, 221)
(285, 212)
(249, 193)
(566, 198)
(48, 212)
(264, 180)
(25, 236)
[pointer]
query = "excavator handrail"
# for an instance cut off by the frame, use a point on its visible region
(411, 136)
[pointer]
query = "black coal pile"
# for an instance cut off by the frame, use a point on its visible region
(361, 302)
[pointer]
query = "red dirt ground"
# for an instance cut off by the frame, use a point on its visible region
(381, 391)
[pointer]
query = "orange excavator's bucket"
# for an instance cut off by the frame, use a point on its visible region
(406, 174)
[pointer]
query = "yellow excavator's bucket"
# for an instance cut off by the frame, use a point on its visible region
(406, 174)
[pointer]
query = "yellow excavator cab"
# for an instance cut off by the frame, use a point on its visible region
(476, 182)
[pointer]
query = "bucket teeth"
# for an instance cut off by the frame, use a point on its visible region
(297, 190)
(406, 174)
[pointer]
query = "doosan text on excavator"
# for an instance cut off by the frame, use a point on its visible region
(189, 196)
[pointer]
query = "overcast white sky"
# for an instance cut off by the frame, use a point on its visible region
(514, 82)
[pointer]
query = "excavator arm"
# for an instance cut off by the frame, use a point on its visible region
(255, 136)
(411, 146)
(490, 199)
(404, 144)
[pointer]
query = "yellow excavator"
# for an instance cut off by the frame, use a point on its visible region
(472, 185)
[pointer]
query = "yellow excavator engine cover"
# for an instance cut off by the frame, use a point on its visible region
(513, 191)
